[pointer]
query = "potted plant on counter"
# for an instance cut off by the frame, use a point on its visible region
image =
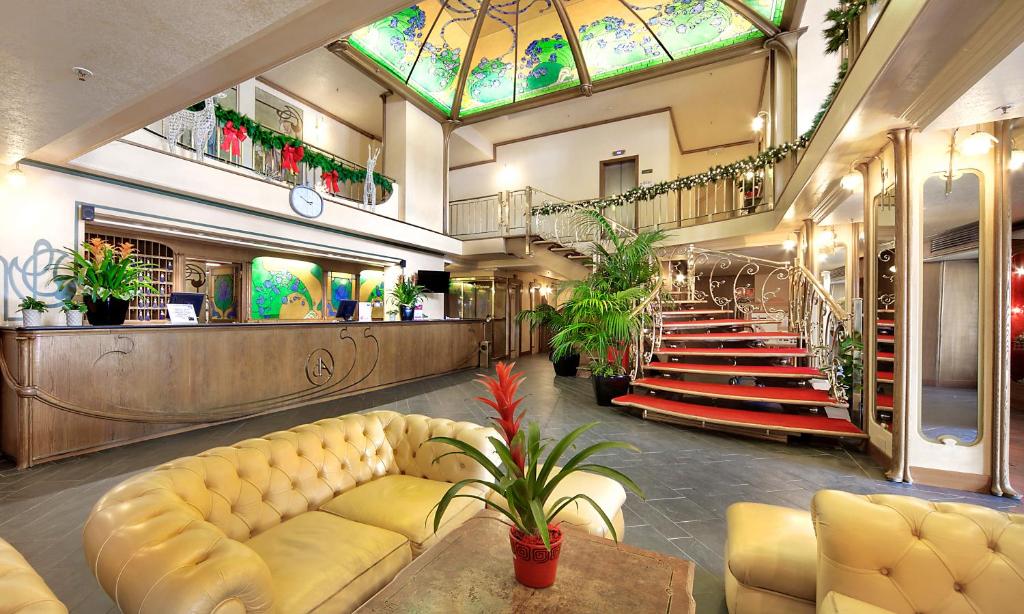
(601, 323)
(554, 320)
(526, 477)
(407, 295)
(108, 277)
(74, 312)
(32, 310)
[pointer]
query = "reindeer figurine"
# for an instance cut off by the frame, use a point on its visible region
(369, 188)
(202, 122)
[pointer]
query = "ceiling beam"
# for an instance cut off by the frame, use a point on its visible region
(586, 85)
(474, 37)
(767, 27)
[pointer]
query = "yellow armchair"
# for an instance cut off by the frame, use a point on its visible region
(22, 591)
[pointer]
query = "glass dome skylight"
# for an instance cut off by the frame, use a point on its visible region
(521, 49)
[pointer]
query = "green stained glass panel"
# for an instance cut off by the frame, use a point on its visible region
(545, 60)
(769, 9)
(285, 289)
(613, 40)
(491, 79)
(394, 42)
(436, 73)
(690, 27)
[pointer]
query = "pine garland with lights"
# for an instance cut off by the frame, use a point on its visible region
(836, 35)
(269, 139)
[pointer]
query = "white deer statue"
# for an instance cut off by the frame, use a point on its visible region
(201, 123)
(369, 188)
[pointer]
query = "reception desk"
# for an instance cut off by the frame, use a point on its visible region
(69, 391)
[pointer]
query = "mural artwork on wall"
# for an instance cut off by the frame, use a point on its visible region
(31, 275)
(342, 289)
(224, 303)
(285, 289)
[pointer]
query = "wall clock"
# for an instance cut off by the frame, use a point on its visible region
(306, 201)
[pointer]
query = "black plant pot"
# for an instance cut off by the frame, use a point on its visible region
(108, 312)
(407, 312)
(566, 366)
(607, 388)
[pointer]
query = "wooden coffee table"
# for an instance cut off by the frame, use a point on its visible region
(470, 571)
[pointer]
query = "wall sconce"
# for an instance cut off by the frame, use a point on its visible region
(978, 144)
(16, 177)
(508, 177)
(758, 123)
(789, 245)
(1016, 160)
(850, 182)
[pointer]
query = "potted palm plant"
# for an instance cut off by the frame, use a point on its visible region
(526, 477)
(108, 277)
(32, 310)
(407, 295)
(73, 312)
(554, 320)
(601, 323)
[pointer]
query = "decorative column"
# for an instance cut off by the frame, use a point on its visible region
(869, 389)
(908, 277)
(809, 261)
(447, 128)
(999, 250)
(782, 71)
(853, 265)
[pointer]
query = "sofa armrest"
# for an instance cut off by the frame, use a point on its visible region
(154, 553)
(22, 591)
(838, 603)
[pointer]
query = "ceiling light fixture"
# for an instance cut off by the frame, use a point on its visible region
(15, 176)
(850, 181)
(978, 144)
(83, 74)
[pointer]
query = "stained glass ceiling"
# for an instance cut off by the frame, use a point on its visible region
(465, 57)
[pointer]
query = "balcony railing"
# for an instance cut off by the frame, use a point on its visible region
(267, 163)
(513, 213)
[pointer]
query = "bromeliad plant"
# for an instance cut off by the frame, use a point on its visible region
(101, 271)
(528, 473)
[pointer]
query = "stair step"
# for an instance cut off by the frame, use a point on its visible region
(757, 422)
(684, 301)
(706, 323)
(735, 352)
(884, 377)
(577, 257)
(886, 338)
(886, 311)
(736, 336)
(736, 370)
(886, 324)
(807, 397)
(885, 357)
(883, 401)
(696, 312)
(562, 250)
(545, 242)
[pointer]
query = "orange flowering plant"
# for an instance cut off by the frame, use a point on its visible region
(528, 472)
(101, 271)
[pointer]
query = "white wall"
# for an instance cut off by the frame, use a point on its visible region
(815, 70)
(415, 159)
(568, 164)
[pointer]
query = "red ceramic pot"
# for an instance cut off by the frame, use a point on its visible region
(535, 565)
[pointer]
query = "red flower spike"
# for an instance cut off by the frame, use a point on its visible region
(503, 389)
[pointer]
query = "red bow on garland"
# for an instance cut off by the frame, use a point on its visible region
(291, 156)
(233, 138)
(330, 181)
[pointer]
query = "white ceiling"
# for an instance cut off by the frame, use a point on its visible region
(334, 85)
(711, 106)
(1002, 86)
(150, 57)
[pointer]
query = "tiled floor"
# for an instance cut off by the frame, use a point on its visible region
(689, 476)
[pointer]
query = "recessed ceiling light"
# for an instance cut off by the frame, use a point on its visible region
(82, 73)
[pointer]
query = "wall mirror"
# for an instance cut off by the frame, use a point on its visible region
(950, 323)
(884, 252)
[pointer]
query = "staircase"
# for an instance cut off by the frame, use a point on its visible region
(726, 355)
(886, 366)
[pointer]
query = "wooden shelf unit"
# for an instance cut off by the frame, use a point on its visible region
(152, 305)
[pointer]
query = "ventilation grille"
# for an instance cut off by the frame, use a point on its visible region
(956, 239)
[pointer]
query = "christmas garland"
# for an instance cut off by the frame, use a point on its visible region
(237, 127)
(836, 36)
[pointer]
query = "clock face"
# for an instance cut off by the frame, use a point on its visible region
(306, 201)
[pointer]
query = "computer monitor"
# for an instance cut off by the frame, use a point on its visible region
(189, 298)
(346, 309)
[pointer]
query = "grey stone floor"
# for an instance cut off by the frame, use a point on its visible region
(689, 476)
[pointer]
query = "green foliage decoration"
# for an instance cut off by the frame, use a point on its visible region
(31, 303)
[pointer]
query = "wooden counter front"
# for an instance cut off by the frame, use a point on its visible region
(68, 391)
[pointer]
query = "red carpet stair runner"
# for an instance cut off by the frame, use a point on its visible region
(886, 366)
(714, 370)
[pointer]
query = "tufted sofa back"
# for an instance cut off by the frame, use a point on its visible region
(179, 513)
(908, 555)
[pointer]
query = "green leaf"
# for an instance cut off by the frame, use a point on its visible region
(471, 452)
(541, 520)
(604, 517)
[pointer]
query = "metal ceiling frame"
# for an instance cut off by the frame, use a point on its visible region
(385, 78)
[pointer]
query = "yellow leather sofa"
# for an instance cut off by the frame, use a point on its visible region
(874, 554)
(22, 591)
(314, 519)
